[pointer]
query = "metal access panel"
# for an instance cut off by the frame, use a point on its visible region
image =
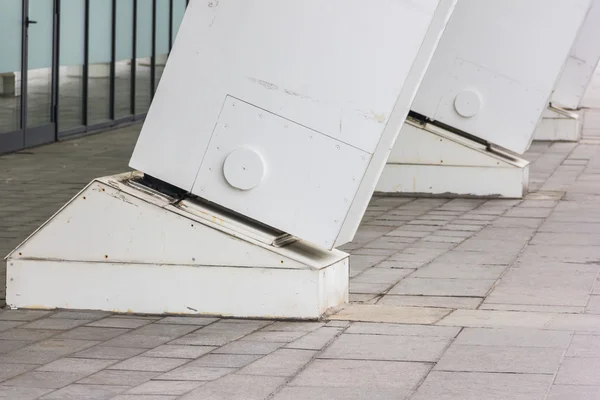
(581, 64)
(496, 66)
(284, 110)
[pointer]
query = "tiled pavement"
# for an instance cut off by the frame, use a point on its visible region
(451, 300)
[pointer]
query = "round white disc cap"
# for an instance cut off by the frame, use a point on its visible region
(467, 103)
(244, 169)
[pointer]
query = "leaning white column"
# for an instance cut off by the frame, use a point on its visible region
(563, 120)
(482, 98)
(269, 130)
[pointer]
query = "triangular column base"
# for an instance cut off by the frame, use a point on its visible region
(430, 161)
(559, 125)
(118, 246)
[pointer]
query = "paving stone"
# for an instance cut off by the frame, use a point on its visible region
(23, 315)
(534, 308)
(218, 334)
(109, 353)
(293, 327)
(225, 360)
(539, 286)
(117, 322)
(579, 371)
(572, 392)
(173, 331)
(315, 340)
(329, 393)
(91, 333)
(387, 348)
(498, 358)
(199, 321)
(237, 387)
(517, 222)
(374, 251)
(150, 364)
(45, 379)
(87, 392)
(476, 257)
(368, 288)
(8, 371)
(529, 212)
(144, 397)
(175, 351)
(274, 336)
(118, 378)
(192, 372)
(21, 393)
(174, 388)
(402, 377)
(85, 315)
(514, 337)
(282, 362)
(248, 347)
(393, 314)
(363, 298)
(402, 330)
(132, 339)
(28, 334)
(443, 239)
(79, 365)
(46, 351)
(6, 346)
(459, 271)
(431, 301)
(494, 319)
(55, 323)
(581, 322)
(584, 345)
(593, 306)
(470, 386)
(443, 287)
(382, 275)
(7, 325)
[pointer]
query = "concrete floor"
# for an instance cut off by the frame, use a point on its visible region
(450, 300)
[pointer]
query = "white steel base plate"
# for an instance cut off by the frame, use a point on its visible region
(119, 247)
(559, 125)
(429, 161)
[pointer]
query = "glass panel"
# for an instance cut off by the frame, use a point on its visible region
(143, 54)
(124, 54)
(162, 36)
(178, 12)
(71, 59)
(100, 27)
(39, 76)
(10, 65)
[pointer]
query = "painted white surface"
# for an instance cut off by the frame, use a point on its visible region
(176, 289)
(342, 80)
(454, 181)
(115, 247)
(386, 143)
(581, 64)
(429, 160)
(559, 126)
(511, 52)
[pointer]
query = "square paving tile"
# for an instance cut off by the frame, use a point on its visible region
(443, 287)
(403, 377)
(509, 359)
(478, 386)
(579, 371)
(387, 347)
(282, 362)
(150, 364)
(174, 388)
(237, 387)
